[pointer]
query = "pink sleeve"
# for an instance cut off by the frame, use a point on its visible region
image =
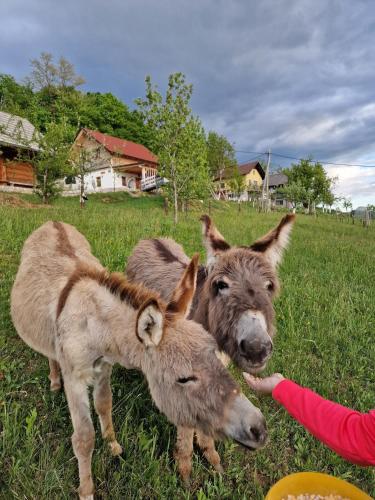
(349, 433)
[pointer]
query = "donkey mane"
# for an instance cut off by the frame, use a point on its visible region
(116, 283)
(64, 246)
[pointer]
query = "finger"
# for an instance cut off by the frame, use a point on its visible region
(251, 380)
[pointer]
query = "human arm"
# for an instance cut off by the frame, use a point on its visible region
(349, 433)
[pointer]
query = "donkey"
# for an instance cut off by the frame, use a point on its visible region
(66, 306)
(234, 294)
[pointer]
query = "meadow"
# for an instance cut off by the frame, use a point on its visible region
(325, 340)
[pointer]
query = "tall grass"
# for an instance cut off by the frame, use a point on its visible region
(325, 340)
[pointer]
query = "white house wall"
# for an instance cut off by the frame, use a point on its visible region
(110, 180)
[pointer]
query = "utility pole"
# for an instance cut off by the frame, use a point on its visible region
(266, 186)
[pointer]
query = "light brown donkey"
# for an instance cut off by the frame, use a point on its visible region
(66, 306)
(233, 300)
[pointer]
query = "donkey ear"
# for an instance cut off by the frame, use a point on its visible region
(179, 306)
(213, 240)
(273, 244)
(150, 323)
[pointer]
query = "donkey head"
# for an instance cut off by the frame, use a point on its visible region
(186, 379)
(236, 302)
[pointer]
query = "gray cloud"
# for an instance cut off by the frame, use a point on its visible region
(294, 75)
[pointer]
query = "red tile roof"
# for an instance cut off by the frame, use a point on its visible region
(122, 147)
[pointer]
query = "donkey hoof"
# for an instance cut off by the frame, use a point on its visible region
(55, 385)
(219, 468)
(116, 449)
(186, 481)
(86, 497)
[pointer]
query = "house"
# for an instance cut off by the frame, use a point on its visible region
(115, 164)
(362, 213)
(253, 175)
(275, 183)
(17, 135)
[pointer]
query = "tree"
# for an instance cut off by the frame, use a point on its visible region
(81, 162)
(176, 137)
(50, 94)
(328, 200)
(314, 183)
(348, 205)
(51, 162)
(66, 75)
(294, 193)
(15, 98)
(46, 75)
(220, 155)
(237, 184)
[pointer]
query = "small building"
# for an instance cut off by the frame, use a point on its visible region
(362, 213)
(115, 164)
(17, 140)
(275, 183)
(253, 174)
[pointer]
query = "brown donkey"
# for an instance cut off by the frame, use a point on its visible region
(66, 306)
(233, 300)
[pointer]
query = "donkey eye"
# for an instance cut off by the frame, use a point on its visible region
(185, 380)
(270, 286)
(220, 285)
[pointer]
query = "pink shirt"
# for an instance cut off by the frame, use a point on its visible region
(349, 433)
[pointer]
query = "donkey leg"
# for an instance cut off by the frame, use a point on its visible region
(54, 375)
(83, 436)
(103, 405)
(183, 452)
(207, 445)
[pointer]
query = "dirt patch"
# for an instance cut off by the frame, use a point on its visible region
(11, 200)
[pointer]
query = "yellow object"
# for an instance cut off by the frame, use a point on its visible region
(314, 483)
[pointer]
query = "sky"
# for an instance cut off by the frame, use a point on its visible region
(293, 76)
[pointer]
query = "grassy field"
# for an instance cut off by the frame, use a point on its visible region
(325, 340)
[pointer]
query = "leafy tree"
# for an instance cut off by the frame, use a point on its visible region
(220, 154)
(81, 162)
(328, 199)
(192, 171)
(50, 94)
(237, 184)
(15, 98)
(295, 193)
(314, 183)
(176, 138)
(51, 162)
(348, 205)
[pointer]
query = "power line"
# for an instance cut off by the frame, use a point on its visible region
(313, 161)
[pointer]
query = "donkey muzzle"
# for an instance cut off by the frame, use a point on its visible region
(253, 341)
(246, 424)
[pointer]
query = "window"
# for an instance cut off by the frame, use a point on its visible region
(123, 181)
(70, 179)
(98, 182)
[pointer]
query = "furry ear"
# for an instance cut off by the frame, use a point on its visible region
(213, 240)
(179, 306)
(150, 322)
(273, 244)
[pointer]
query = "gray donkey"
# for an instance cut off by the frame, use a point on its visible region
(66, 306)
(233, 300)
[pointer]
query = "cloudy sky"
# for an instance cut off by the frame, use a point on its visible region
(296, 76)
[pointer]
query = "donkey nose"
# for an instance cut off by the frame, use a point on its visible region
(258, 434)
(256, 352)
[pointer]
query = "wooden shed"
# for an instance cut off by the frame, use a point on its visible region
(17, 137)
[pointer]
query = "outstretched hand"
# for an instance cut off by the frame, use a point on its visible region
(263, 385)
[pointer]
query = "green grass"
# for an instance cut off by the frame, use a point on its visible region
(325, 340)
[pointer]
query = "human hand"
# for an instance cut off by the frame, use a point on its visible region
(263, 385)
